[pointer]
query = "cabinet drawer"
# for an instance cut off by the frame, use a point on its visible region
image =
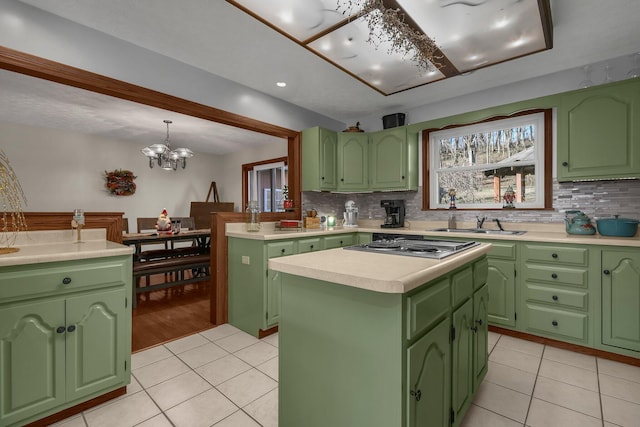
(559, 297)
(555, 254)
(308, 245)
(426, 307)
(563, 324)
(280, 249)
(461, 286)
(342, 240)
(503, 250)
(557, 275)
(480, 273)
(41, 279)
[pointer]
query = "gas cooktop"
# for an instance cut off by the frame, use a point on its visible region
(410, 245)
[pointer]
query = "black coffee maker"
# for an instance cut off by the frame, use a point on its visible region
(394, 217)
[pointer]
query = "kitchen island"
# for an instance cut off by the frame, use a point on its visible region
(380, 340)
(65, 324)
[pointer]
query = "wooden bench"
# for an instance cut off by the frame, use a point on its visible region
(198, 264)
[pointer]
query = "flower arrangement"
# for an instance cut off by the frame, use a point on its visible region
(120, 182)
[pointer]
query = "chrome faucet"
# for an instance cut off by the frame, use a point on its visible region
(499, 225)
(480, 222)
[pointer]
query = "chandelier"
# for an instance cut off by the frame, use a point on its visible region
(388, 26)
(167, 158)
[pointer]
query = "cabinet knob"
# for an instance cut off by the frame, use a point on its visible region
(565, 163)
(554, 255)
(417, 394)
(282, 250)
(479, 322)
(554, 276)
(474, 328)
(554, 323)
(555, 297)
(322, 178)
(340, 242)
(607, 272)
(61, 329)
(402, 176)
(66, 280)
(311, 247)
(71, 328)
(342, 179)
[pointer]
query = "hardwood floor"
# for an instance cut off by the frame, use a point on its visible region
(168, 314)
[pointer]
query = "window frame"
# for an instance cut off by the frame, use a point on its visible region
(547, 185)
(263, 164)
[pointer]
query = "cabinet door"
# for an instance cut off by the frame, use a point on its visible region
(353, 168)
(96, 350)
(599, 132)
(32, 371)
(481, 335)
(389, 159)
(429, 379)
(319, 151)
(274, 281)
(620, 298)
(502, 292)
(462, 360)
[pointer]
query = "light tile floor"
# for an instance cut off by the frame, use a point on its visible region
(224, 377)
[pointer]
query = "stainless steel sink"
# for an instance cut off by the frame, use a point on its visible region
(480, 231)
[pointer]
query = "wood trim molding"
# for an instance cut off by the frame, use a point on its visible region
(112, 221)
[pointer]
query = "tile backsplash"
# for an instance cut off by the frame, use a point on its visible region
(595, 198)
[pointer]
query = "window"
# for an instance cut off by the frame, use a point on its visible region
(479, 163)
(264, 183)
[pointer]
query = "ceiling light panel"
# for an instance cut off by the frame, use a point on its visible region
(300, 20)
(478, 33)
(348, 48)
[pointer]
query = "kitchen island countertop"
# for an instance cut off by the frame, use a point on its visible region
(385, 273)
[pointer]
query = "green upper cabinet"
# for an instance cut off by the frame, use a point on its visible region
(599, 132)
(393, 160)
(319, 157)
(359, 162)
(353, 167)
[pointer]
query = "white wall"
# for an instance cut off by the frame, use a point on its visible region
(60, 171)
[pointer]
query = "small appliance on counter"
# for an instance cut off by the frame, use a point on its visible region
(350, 214)
(395, 211)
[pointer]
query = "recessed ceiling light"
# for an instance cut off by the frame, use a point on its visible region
(281, 84)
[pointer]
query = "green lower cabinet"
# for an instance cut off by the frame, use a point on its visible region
(352, 357)
(429, 378)
(621, 299)
(67, 343)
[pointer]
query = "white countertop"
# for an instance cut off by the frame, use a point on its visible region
(50, 246)
(373, 271)
(541, 233)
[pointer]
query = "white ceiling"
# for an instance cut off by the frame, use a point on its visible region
(219, 38)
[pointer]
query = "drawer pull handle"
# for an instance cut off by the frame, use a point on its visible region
(416, 394)
(554, 255)
(71, 328)
(282, 250)
(311, 246)
(554, 276)
(61, 329)
(554, 323)
(555, 297)
(607, 272)
(66, 280)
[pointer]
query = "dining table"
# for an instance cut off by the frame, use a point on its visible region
(201, 237)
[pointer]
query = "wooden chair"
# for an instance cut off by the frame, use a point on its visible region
(125, 225)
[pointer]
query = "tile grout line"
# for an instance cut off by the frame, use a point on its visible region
(535, 383)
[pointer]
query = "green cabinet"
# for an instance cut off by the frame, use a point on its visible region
(392, 160)
(253, 288)
(599, 132)
(353, 164)
(621, 299)
(429, 378)
(359, 162)
(65, 335)
(502, 283)
(319, 159)
(365, 346)
(555, 285)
